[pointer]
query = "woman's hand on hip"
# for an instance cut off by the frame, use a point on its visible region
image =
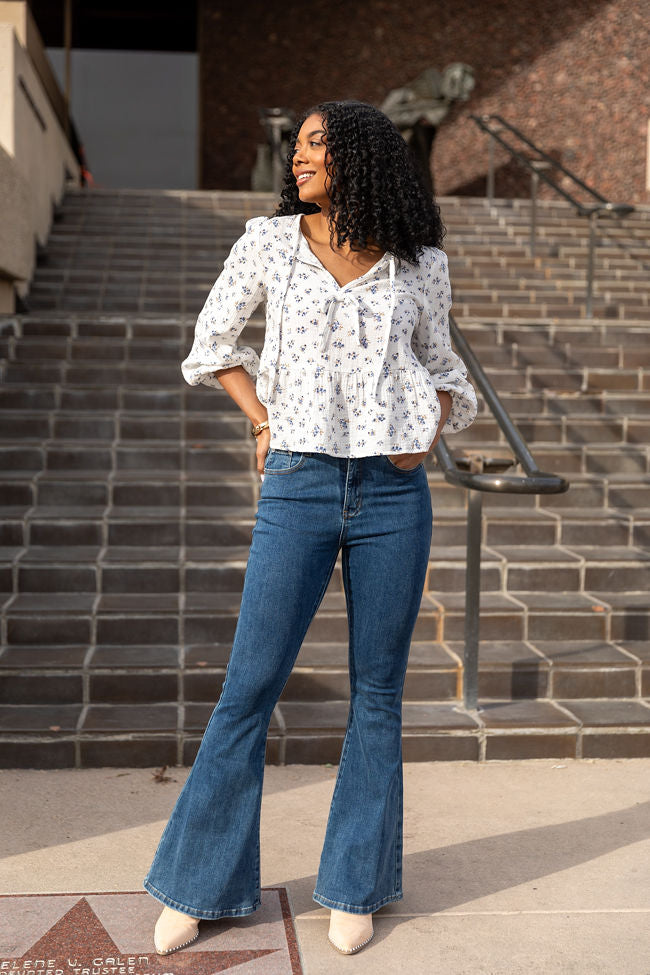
(262, 448)
(411, 460)
(446, 404)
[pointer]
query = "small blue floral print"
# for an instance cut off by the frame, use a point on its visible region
(363, 383)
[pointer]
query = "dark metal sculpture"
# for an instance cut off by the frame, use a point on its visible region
(418, 108)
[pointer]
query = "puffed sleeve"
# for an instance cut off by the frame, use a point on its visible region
(234, 297)
(431, 343)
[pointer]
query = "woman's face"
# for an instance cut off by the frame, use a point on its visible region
(309, 170)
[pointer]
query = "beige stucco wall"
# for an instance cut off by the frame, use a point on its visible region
(35, 157)
(16, 233)
(16, 14)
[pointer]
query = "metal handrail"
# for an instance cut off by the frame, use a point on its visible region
(536, 168)
(476, 481)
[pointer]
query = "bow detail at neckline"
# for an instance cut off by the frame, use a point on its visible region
(329, 312)
(346, 293)
(330, 309)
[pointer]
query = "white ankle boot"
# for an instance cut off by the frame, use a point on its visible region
(348, 932)
(174, 930)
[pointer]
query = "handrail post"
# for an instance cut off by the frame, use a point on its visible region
(480, 473)
(535, 166)
(534, 182)
(472, 596)
(593, 220)
(490, 179)
(544, 161)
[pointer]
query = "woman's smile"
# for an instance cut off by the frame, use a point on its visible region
(309, 170)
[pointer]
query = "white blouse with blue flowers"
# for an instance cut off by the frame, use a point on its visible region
(346, 370)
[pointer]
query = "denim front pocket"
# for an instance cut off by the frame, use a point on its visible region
(403, 470)
(283, 461)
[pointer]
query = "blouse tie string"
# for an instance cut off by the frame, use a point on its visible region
(387, 322)
(330, 310)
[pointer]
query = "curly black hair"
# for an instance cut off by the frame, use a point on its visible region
(376, 192)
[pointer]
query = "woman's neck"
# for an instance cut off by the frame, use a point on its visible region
(317, 226)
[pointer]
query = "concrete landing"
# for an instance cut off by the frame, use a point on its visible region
(513, 868)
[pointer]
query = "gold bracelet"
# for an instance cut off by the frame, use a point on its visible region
(256, 430)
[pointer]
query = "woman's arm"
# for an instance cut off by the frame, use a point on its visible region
(234, 297)
(241, 388)
(432, 345)
(216, 358)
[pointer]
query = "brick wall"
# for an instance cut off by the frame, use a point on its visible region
(574, 77)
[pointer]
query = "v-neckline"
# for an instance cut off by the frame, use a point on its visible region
(327, 271)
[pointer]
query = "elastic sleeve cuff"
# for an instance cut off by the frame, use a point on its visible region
(463, 406)
(197, 371)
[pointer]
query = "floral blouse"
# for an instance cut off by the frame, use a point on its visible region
(346, 370)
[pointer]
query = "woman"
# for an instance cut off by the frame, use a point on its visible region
(355, 384)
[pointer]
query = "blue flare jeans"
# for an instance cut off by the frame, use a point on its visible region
(311, 506)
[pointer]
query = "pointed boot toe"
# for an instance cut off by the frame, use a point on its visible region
(174, 930)
(348, 932)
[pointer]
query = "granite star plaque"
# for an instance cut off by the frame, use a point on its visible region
(112, 934)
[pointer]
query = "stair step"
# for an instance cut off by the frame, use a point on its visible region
(129, 500)
(60, 735)
(72, 615)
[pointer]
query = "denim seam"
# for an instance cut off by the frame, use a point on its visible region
(397, 844)
(349, 605)
(347, 737)
(261, 760)
(398, 838)
(339, 777)
(352, 676)
(344, 754)
(350, 721)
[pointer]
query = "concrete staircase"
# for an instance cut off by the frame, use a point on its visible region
(128, 500)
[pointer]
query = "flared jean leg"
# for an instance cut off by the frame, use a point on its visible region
(208, 860)
(384, 572)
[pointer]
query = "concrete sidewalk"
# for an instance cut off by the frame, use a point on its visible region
(513, 868)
